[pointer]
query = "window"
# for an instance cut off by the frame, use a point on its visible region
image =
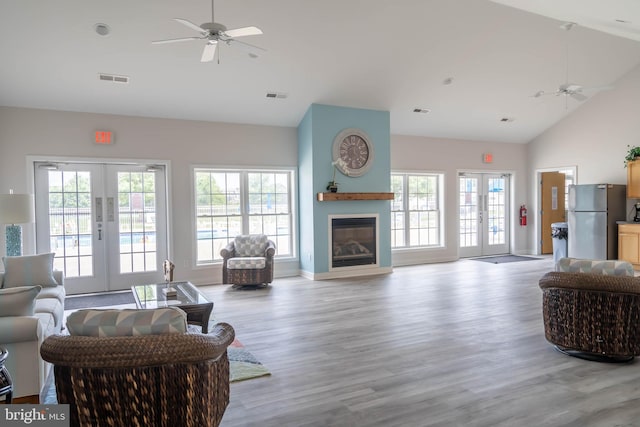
(232, 202)
(569, 179)
(416, 217)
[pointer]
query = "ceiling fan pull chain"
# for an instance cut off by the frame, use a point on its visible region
(212, 9)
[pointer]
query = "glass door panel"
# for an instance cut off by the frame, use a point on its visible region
(484, 214)
(67, 203)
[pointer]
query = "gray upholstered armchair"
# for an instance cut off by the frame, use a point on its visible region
(248, 260)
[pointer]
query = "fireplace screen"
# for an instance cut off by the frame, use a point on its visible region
(353, 241)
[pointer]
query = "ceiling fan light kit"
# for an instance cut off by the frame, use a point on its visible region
(214, 32)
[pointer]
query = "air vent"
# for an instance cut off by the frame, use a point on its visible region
(102, 29)
(277, 95)
(422, 110)
(113, 78)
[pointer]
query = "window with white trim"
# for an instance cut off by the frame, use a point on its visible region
(231, 202)
(416, 216)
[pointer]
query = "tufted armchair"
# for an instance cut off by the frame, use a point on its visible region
(140, 368)
(248, 260)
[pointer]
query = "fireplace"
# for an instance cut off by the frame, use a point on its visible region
(353, 241)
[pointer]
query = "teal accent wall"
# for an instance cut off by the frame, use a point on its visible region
(316, 132)
(305, 186)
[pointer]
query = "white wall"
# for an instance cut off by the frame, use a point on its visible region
(409, 153)
(593, 138)
(30, 132)
(25, 132)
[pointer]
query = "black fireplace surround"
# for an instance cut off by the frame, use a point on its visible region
(353, 241)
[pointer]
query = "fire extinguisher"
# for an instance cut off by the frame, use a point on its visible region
(523, 215)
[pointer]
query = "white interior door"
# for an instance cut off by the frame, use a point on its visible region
(484, 214)
(106, 223)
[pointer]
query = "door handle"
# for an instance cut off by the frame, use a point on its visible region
(99, 233)
(110, 209)
(98, 209)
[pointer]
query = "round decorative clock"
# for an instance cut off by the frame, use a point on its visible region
(353, 152)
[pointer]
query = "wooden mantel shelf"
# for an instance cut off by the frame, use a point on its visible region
(332, 197)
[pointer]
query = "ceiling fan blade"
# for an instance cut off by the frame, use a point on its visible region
(242, 32)
(209, 52)
(578, 96)
(183, 39)
(246, 46)
(596, 88)
(191, 25)
(540, 93)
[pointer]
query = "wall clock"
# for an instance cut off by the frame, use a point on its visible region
(355, 150)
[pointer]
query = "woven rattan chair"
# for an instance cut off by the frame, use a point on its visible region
(592, 316)
(179, 379)
(248, 260)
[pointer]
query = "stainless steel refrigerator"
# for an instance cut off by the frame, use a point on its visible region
(593, 212)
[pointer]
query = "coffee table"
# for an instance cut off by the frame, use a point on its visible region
(188, 298)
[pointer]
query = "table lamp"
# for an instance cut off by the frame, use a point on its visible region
(15, 209)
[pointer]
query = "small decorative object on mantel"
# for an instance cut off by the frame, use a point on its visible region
(170, 292)
(333, 185)
(632, 154)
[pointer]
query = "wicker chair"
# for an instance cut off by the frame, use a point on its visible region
(179, 379)
(592, 316)
(248, 260)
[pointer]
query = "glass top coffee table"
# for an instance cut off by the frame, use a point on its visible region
(188, 298)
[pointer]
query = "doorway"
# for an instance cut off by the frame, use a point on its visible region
(552, 190)
(106, 223)
(484, 221)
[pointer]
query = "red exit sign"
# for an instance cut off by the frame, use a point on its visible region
(104, 137)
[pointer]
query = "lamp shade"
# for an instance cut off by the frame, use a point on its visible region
(16, 209)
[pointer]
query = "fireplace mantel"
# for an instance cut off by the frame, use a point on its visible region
(333, 197)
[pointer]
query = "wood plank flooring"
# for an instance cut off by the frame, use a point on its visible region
(452, 344)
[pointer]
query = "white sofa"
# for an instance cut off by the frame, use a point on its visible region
(22, 335)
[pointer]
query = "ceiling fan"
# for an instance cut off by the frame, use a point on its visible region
(214, 33)
(568, 89)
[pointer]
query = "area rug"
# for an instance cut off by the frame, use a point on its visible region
(242, 364)
(98, 300)
(501, 259)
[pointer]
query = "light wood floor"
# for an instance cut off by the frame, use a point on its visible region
(453, 344)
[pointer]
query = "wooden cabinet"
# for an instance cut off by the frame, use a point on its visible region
(633, 179)
(629, 244)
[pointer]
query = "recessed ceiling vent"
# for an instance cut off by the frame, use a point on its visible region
(102, 29)
(507, 119)
(422, 110)
(113, 78)
(277, 95)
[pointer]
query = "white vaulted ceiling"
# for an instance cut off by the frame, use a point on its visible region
(378, 54)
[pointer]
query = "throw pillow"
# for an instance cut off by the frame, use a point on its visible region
(28, 270)
(18, 301)
(126, 322)
(251, 244)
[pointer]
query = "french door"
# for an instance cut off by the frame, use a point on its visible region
(106, 223)
(484, 214)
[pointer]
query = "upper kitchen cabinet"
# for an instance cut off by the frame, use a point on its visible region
(633, 179)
